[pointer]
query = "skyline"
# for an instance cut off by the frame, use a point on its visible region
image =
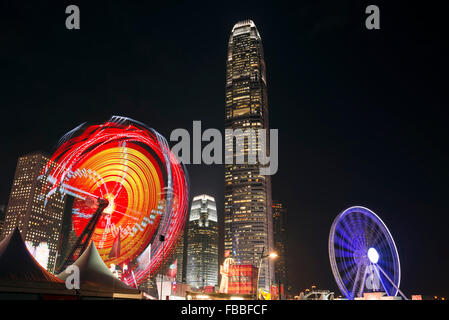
(368, 85)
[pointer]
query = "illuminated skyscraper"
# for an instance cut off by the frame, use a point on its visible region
(38, 224)
(248, 220)
(280, 243)
(2, 218)
(179, 257)
(202, 243)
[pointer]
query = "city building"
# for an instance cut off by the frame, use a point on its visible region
(171, 278)
(202, 243)
(150, 287)
(179, 257)
(247, 204)
(39, 223)
(2, 218)
(280, 245)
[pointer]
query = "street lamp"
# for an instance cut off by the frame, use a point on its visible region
(271, 255)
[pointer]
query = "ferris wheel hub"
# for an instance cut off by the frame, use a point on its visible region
(373, 255)
(110, 208)
(103, 203)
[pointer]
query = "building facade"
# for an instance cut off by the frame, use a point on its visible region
(2, 218)
(179, 255)
(39, 224)
(202, 243)
(247, 203)
(280, 244)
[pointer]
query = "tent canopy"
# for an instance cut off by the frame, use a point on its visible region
(17, 263)
(20, 273)
(95, 275)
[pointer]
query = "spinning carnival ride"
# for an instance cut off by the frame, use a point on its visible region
(128, 189)
(363, 254)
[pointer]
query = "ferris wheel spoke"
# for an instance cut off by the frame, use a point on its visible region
(387, 267)
(385, 247)
(382, 281)
(346, 228)
(356, 281)
(362, 237)
(126, 215)
(362, 284)
(358, 242)
(123, 163)
(348, 269)
(379, 237)
(130, 210)
(343, 253)
(344, 242)
(392, 283)
(370, 235)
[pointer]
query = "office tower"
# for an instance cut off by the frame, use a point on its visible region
(2, 218)
(202, 243)
(248, 220)
(39, 224)
(179, 258)
(280, 243)
(150, 286)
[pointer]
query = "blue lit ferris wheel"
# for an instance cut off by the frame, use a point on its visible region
(363, 254)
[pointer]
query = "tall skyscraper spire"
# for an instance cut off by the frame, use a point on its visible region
(248, 217)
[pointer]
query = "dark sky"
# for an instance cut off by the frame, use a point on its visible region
(361, 114)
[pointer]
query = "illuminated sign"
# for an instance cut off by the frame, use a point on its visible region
(237, 278)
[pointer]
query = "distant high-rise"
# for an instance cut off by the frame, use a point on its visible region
(39, 224)
(280, 243)
(202, 243)
(179, 256)
(2, 218)
(247, 205)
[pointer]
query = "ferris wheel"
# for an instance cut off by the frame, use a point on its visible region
(130, 194)
(363, 255)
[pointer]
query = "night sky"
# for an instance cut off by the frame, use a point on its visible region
(361, 114)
